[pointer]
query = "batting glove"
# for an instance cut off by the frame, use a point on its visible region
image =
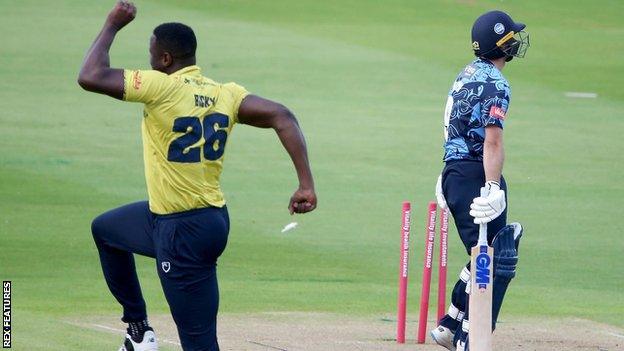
(486, 209)
(439, 195)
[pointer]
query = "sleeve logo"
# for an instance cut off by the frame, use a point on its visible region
(497, 112)
(136, 80)
(470, 70)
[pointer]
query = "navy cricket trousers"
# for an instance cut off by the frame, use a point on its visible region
(461, 183)
(186, 246)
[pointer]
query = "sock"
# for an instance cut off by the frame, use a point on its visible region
(137, 329)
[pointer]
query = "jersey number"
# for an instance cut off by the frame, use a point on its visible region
(185, 149)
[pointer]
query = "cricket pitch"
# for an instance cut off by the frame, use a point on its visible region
(297, 331)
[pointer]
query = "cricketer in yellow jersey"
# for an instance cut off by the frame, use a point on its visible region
(186, 123)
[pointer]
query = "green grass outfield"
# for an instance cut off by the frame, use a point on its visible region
(368, 81)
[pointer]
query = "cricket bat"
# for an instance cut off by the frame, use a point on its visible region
(480, 302)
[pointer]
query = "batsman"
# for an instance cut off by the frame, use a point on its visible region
(474, 119)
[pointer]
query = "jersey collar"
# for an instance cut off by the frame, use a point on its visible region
(488, 63)
(485, 61)
(189, 70)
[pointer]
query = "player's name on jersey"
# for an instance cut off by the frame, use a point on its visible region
(204, 101)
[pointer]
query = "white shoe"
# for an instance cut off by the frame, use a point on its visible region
(461, 346)
(148, 343)
(443, 336)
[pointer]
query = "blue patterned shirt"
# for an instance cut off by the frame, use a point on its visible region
(479, 98)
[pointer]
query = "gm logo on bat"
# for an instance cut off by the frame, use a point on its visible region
(483, 262)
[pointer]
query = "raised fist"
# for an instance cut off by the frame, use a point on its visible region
(122, 14)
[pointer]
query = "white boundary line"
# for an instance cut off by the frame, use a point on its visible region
(266, 345)
(167, 341)
(580, 95)
(616, 335)
(108, 328)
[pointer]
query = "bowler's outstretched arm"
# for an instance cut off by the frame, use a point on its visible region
(263, 113)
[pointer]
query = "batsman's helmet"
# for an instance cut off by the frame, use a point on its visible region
(496, 35)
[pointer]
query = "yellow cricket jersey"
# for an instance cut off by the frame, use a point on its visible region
(186, 124)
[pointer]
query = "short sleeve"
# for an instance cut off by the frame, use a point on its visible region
(236, 93)
(494, 107)
(145, 86)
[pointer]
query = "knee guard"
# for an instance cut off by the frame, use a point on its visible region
(505, 243)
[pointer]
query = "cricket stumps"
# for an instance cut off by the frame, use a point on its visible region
(430, 233)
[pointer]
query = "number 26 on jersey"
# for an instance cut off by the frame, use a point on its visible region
(185, 148)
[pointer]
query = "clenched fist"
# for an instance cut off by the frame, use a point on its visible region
(122, 14)
(302, 201)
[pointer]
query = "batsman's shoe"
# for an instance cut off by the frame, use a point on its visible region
(443, 336)
(148, 343)
(462, 346)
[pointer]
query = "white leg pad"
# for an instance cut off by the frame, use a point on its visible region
(455, 313)
(464, 275)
